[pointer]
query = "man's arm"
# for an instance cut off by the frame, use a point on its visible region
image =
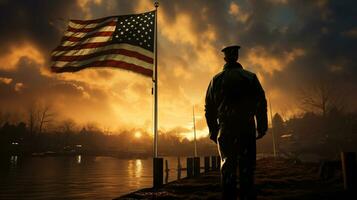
(261, 112)
(211, 113)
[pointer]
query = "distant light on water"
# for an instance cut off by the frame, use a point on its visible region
(13, 160)
(286, 136)
(135, 168)
(79, 159)
(138, 168)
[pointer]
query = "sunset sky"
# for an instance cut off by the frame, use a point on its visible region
(289, 44)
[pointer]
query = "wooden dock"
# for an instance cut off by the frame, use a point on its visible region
(275, 179)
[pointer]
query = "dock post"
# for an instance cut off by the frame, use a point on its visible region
(189, 166)
(196, 166)
(214, 162)
(218, 162)
(158, 172)
(167, 171)
(179, 168)
(206, 164)
(349, 170)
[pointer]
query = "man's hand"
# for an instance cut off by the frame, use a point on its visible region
(260, 135)
(213, 137)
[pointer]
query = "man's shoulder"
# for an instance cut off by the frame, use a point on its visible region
(249, 73)
(241, 72)
(218, 75)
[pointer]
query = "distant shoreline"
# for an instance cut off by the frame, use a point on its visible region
(120, 155)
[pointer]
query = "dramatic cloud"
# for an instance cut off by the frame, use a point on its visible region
(289, 44)
(17, 51)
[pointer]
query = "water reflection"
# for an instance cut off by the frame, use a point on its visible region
(139, 168)
(79, 177)
(79, 159)
(13, 161)
(135, 168)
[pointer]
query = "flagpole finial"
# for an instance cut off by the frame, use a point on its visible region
(156, 4)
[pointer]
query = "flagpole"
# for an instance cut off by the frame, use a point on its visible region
(155, 87)
(194, 130)
(157, 162)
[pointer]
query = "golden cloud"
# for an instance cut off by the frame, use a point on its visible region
(144, 6)
(269, 63)
(180, 31)
(17, 51)
(84, 5)
(238, 13)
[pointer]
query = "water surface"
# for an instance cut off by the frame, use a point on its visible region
(76, 177)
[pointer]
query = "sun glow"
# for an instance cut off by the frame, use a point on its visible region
(137, 134)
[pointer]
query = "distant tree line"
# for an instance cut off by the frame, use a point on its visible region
(308, 133)
(40, 133)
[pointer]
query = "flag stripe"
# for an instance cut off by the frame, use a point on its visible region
(83, 46)
(86, 41)
(86, 30)
(93, 25)
(113, 46)
(125, 52)
(114, 57)
(96, 34)
(80, 34)
(89, 21)
(106, 63)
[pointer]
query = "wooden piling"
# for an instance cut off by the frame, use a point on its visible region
(206, 164)
(167, 171)
(349, 170)
(196, 166)
(214, 162)
(179, 168)
(158, 172)
(218, 162)
(189, 165)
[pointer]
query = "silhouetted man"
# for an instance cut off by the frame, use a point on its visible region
(234, 97)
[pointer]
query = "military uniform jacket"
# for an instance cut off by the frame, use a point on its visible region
(235, 97)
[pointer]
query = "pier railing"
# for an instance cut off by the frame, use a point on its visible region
(191, 165)
(194, 168)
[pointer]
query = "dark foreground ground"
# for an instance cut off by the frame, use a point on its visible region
(275, 179)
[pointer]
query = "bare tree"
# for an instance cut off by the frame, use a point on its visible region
(39, 116)
(32, 118)
(320, 98)
(45, 117)
(68, 126)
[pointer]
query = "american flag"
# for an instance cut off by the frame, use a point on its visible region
(125, 42)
